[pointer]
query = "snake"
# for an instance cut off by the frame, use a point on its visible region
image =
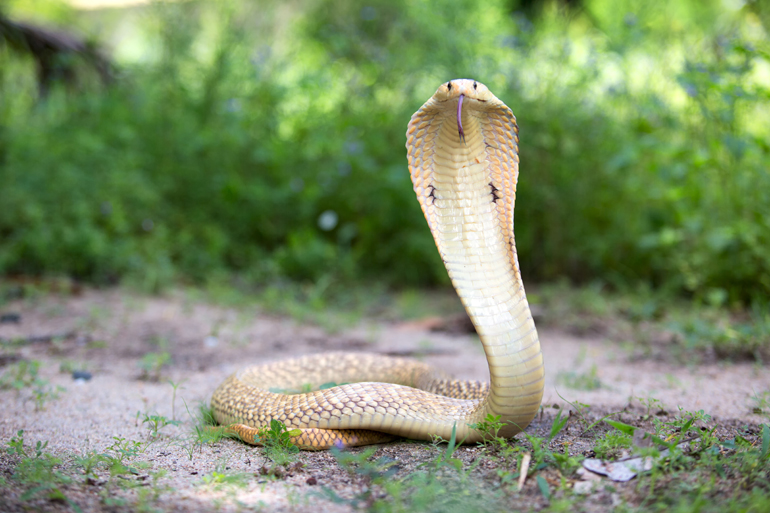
(462, 151)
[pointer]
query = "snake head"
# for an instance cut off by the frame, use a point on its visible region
(469, 88)
(461, 89)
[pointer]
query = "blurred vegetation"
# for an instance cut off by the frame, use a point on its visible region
(239, 139)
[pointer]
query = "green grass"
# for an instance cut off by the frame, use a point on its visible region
(221, 480)
(695, 476)
(24, 378)
(276, 440)
(580, 380)
(117, 472)
(37, 470)
(156, 422)
(152, 365)
(654, 323)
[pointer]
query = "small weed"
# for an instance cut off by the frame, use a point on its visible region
(542, 455)
(70, 366)
(760, 403)
(558, 424)
(682, 425)
(36, 470)
(220, 479)
(489, 427)
(174, 386)
(126, 449)
(580, 381)
(152, 365)
(93, 320)
(24, 375)
(156, 422)
(205, 415)
(205, 430)
(439, 485)
(149, 495)
(580, 412)
(44, 393)
(505, 452)
(651, 406)
(712, 329)
(566, 464)
(114, 459)
(117, 455)
(276, 439)
(111, 501)
(160, 342)
(611, 444)
(89, 463)
(361, 466)
(540, 452)
(447, 459)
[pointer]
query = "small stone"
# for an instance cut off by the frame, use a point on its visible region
(312, 481)
(583, 487)
(587, 476)
(10, 318)
(81, 376)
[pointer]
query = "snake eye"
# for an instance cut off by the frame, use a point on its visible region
(474, 85)
(449, 86)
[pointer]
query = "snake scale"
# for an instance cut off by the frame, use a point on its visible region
(462, 147)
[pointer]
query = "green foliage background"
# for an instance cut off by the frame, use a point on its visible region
(233, 127)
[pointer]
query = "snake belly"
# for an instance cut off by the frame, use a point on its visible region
(462, 147)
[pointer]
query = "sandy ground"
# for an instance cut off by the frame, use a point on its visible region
(110, 332)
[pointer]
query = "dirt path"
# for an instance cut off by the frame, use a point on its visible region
(111, 332)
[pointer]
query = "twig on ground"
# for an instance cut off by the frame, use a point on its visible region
(524, 469)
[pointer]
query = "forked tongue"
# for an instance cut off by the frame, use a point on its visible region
(459, 117)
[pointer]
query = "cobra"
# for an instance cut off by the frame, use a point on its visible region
(462, 147)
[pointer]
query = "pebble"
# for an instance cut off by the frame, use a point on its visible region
(583, 487)
(9, 318)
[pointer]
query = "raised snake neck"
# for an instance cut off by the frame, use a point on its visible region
(462, 149)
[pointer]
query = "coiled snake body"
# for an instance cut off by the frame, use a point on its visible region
(462, 149)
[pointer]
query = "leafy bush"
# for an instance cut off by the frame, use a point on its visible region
(644, 154)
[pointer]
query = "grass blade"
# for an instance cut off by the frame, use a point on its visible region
(452, 443)
(545, 490)
(558, 425)
(620, 426)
